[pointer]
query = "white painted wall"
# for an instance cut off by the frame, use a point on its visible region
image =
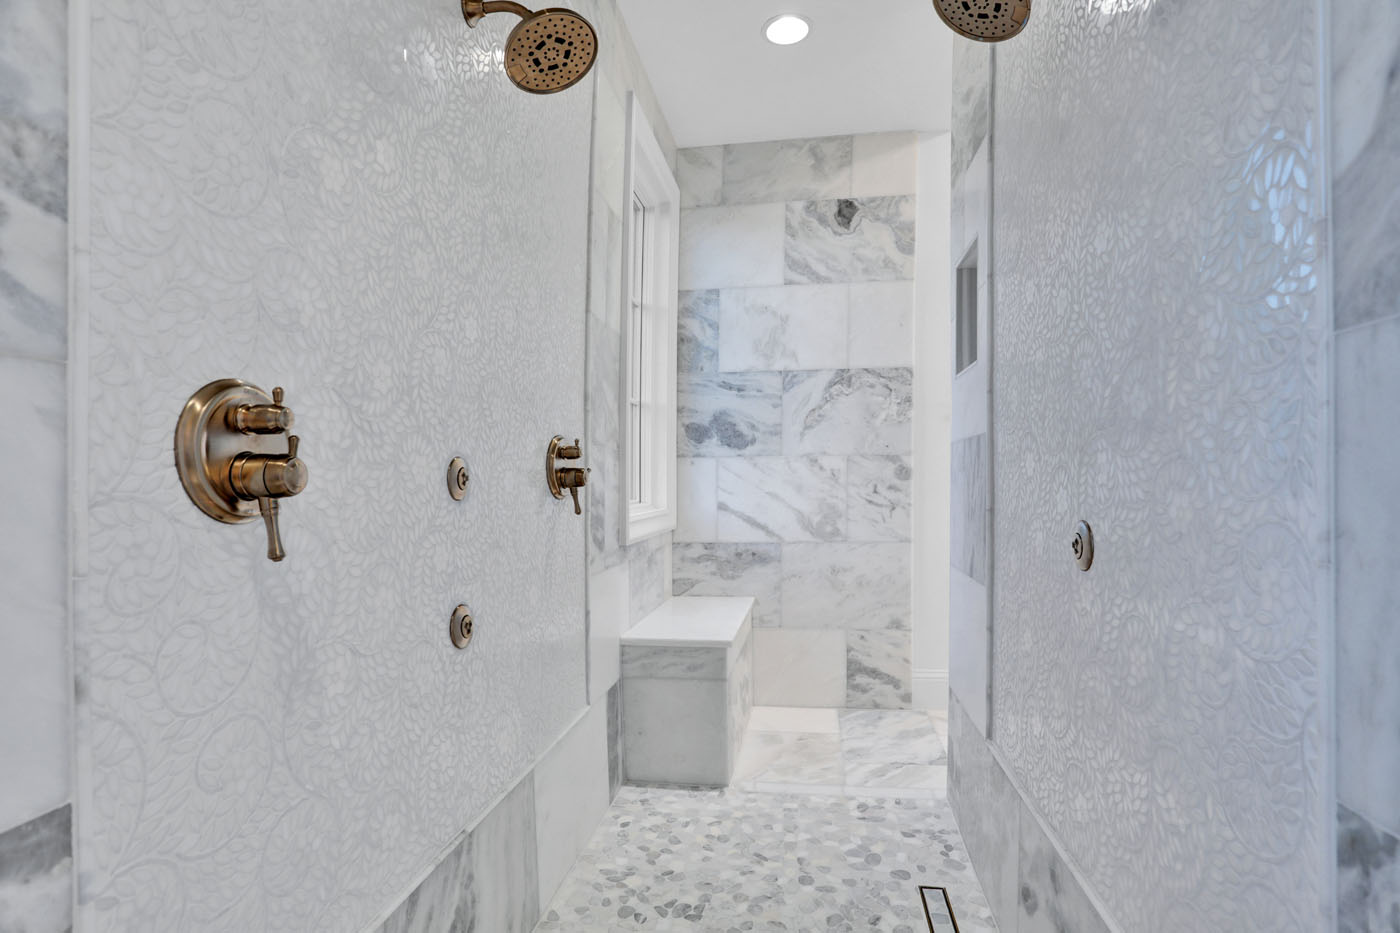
(933, 411)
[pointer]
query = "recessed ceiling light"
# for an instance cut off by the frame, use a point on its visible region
(786, 29)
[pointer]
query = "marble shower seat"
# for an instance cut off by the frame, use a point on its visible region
(687, 690)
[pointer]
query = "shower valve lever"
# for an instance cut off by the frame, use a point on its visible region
(561, 478)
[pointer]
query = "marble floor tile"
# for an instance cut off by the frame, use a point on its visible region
(789, 758)
(1368, 875)
(849, 240)
(787, 170)
(729, 860)
(795, 719)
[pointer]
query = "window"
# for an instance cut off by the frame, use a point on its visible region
(651, 256)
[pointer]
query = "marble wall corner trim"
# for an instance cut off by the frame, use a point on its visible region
(1368, 875)
(36, 874)
(615, 773)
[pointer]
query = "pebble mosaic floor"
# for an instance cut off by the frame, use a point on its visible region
(822, 857)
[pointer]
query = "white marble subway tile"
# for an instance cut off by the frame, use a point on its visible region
(700, 175)
(884, 164)
(33, 591)
(889, 737)
(1368, 589)
(730, 415)
(675, 731)
(36, 874)
(781, 499)
(696, 501)
(881, 325)
(848, 411)
(33, 279)
(571, 795)
(787, 170)
(879, 498)
(608, 617)
(787, 327)
(717, 569)
(846, 585)
(795, 667)
(732, 246)
(878, 669)
(440, 903)
(849, 240)
(697, 342)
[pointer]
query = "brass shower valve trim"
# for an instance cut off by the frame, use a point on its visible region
(226, 455)
(561, 478)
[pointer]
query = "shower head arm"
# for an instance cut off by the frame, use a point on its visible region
(474, 10)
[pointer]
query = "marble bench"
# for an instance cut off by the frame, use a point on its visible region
(687, 690)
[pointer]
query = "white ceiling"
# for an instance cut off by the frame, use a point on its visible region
(868, 66)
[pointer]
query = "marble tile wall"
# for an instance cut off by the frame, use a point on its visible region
(795, 407)
(35, 678)
(1366, 295)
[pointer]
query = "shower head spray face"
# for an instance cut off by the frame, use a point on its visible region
(547, 51)
(985, 20)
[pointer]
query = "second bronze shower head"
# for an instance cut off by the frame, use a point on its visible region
(547, 51)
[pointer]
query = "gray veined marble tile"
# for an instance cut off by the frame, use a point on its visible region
(878, 670)
(787, 327)
(781, 499)
(1050, 899)
(730, 415)
(700, 175)
(787, 170)
(711, 569)
(849, 240)
(789, 758)
(848, 411)
(646, 575)
(615, 775)
(846, 585)
(36, 874)
(34, 104)
(881, 325)
(697, 342)
(1365, 212)
(971, 107)
(879, 494)
(1368, 875)
(731, 246)
(696, 502)
(436, 904)
(693, 663)
(33, 280)
(504, 893)
(969, 507)
(989, 812)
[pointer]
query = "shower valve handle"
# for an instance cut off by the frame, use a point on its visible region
(266, 478)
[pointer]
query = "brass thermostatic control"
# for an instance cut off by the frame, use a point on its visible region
(562, 478)
(457, 479)
(226, 454)
(1083, 545)
(460, 626)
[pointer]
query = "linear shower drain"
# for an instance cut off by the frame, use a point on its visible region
(938, 910)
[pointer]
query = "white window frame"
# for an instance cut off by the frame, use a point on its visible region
(649, 353)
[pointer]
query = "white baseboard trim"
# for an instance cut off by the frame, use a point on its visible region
(931, 689)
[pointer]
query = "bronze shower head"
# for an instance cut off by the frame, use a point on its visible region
(547, 51)
(985, 20)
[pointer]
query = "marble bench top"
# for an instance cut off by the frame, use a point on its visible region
(693, 622)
